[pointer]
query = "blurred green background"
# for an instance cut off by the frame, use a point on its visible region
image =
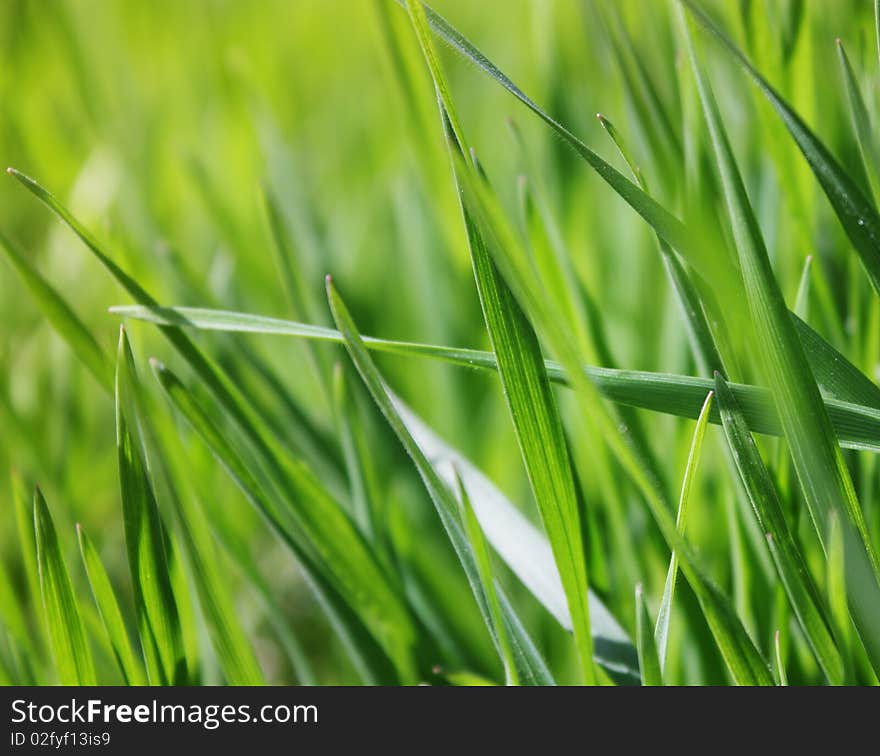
(157, 123)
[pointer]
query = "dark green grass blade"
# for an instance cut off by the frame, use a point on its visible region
(649, 660)
(64, 625)
(61, 316)
(158, 619)
(130, 665)
(822, 472)
(856, 426)
(787, 556)
(530, 667)
(857, 214)
(347, 587)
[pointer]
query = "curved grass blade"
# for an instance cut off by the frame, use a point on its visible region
(531, 669)
(856, 213)
(856, 426)
(158, 618)
(822, 472)
(803, 595)
(129, 664)
(61, 316)
(484, 567)
(344, 577)
(649, 660)
(527, 390)
(67, 635)
(661, 632)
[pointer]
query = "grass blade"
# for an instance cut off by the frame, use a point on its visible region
(857, 426)
(649, 660)
(158, 620)
(484, 567)
(856, 213)
(802, 593)
(129, 664)
(67, 635)
(818, 461)
(527, 390)
(661, 632)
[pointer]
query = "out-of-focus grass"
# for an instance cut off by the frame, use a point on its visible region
(185, 135)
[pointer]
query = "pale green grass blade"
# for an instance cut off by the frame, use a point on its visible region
(803, 595)
(780, 663)
(861, 122)
(522, 546)
(664, 615)
(531, 669)
(61, 316)
(158, 618)
(24, 522)
(527, 390)
(835, 580)
(649, 660)
(484, 567)
(818, 461)
(328, 547)
(856, 213)
(130, 665)
(856, 426)
(64, 625)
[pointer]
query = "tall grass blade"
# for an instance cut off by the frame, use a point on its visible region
(649, 659)
(64, 625)
(661, 632)
(130, 665)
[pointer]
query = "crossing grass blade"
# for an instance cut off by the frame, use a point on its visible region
(818, 461)
(531, 669)
(64, 625)
(661, 632)
(802, 593)
(527, 390)
(159, 624)
(856, 213)
(856, 421)
(649, 659)
(130, 665)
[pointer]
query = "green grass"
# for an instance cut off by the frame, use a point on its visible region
(639, 443)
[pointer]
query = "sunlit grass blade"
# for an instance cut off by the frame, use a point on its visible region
(531, 669)
(61, 316)
(158, 620)
(130, 665)
(649, 660)
(817, 459)
(326, 545)
(835, 580)
(857, 426)
(664, 615)
(64, 625)
(527, 390)
(780, 662)
(484, 567)
(803, 595)
(857, 214)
